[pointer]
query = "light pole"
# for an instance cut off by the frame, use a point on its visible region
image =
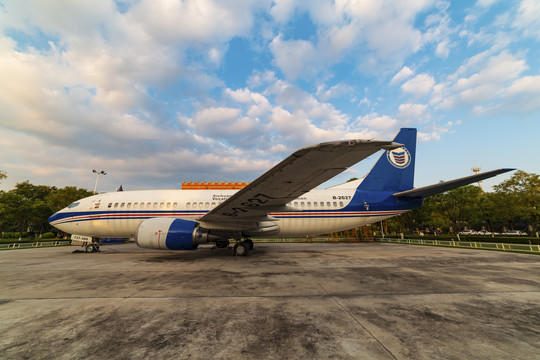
(476, 170)
(97, 177)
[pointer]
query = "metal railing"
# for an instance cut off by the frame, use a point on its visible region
(22, 245)
(527, 248)
(304, 239)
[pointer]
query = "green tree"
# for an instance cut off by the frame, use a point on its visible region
(3, 175)
(520, 199)
(60, 198)
(28, 206)
(24, 208)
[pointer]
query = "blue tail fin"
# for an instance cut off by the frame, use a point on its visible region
(394, 171)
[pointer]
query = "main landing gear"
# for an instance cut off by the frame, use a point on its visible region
(242, 248)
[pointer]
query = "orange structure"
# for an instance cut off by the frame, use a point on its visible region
(221, 185)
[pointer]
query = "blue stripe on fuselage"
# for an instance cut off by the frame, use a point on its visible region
(364, 203)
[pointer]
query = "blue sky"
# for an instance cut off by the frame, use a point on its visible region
(160, 92)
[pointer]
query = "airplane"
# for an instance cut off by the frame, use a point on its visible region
(284, 201)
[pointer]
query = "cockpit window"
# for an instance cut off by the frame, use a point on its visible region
(72, 205)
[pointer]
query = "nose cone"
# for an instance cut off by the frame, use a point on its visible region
(54, 218)
(58, 219)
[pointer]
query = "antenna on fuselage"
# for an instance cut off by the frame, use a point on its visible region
(120, 188)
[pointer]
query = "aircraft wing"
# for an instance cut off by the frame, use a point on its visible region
(296, 175)
(447, 185)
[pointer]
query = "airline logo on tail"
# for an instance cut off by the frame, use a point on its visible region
(399, 158)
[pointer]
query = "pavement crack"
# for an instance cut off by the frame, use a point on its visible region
(351, 315)
(363, 327)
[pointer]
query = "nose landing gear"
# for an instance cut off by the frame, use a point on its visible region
(94, 247)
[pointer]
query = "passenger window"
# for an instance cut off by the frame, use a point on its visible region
(302, 204)
(168, 205)
(135, 205)
(341, 203)
(335, 204)
(309, 203)
(200, 205)
(328, 204)
(175, 205)
(155, 205)
(110, 205)
(148, 205)
(115, 205)
(207, 205)
(161, 205)
(122, 205)
(296, 203)
(213, 204)
(188, 205)
(322, 203)
(314, 204)
(128, 205)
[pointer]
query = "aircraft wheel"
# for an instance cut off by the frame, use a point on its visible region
(241, 249)
(90, 248)
(249, 242)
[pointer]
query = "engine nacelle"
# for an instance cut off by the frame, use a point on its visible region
(170, 234)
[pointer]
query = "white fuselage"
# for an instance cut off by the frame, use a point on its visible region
(119, 214)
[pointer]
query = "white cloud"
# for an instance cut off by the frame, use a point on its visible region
(528, 18)
(497, 70)
(377, 122)
(420, 85)
(435, 131)
(222, 122)
(376, 35)
(336, 40)
(294, 57)
(300, 128)
(193, 20)
(486, 3)
(483, 82)
(443, 49)
(522, 96)
(282, 10)
(525, 85)
(333, 92)
(403, 74)
(149, 87)
(416, 112)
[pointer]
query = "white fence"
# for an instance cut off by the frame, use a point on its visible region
(532, 248)
(34, 244)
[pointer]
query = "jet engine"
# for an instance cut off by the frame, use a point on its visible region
(171, 234)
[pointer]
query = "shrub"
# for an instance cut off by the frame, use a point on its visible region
(47, 235)
(14, 235)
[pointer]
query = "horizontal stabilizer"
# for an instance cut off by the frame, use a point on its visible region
(447, 185)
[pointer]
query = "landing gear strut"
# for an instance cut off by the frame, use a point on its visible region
(222, 244)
